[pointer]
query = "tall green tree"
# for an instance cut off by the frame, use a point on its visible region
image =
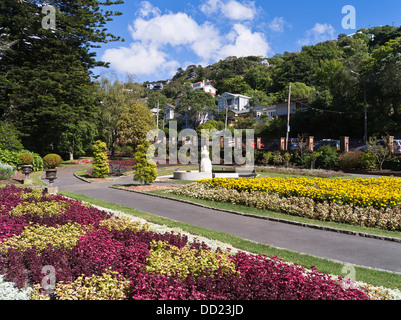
(134, 125)
(45, 77)
(195, 106)
(115, 99)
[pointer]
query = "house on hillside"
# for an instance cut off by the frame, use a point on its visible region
(236, 102)
(259, 111)
(205, 86)
(169, 114)
(280, 109)
(264, 62)
(155, 86)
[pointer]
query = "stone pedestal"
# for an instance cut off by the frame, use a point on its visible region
(51, 190)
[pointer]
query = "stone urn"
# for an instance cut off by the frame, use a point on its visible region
(51, 175)
(26, 170)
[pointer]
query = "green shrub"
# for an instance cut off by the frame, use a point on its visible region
(287, 159)
(267, 158)
(144, 171)
(52, 161)
(309, 159)
(100, 162)
(277, 158)
(6, 171)
(126, 151)
(350, 160)
(25, 159)
(328, 158)
(368, 161)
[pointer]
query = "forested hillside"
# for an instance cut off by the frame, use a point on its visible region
(332, 75)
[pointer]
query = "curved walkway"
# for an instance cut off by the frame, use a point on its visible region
(355, 250)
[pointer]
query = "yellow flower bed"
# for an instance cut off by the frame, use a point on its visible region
(376, 192)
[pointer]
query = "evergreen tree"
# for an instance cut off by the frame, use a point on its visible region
(145, 170)
(45, 76)
(100, 162)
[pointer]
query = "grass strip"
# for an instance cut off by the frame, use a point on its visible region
(371, 276)
(35, 177)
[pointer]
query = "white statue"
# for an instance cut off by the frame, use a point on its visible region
(206, 163)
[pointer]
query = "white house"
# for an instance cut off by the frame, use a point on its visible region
(168, 112)
(270, 112)
(205, 86)
(264, 62)
(155, 86)
(236, 102)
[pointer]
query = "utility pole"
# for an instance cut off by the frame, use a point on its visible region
(365, 138)
(157, 121)
(288, 118)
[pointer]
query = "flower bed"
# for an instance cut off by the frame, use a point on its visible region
(81, 161)
(294, 203)
(98, 255)
(123, 163)
(377, 192)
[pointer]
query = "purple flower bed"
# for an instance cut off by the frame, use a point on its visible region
(256, 277)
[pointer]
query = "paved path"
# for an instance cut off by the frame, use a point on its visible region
(373, 253)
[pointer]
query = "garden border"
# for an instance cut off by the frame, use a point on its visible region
(301, 224)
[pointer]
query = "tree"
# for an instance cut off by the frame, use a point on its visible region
(145, 170)
(195, 106)
(100, 162)
(134, 124)
(258, 78)
(299, 90)
(381, 72)
(45, 77)
(115, 99)
(9, 137)
(381, 151)
(236, 85)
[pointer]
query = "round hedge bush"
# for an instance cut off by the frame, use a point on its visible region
(25, 159)
(52, 161)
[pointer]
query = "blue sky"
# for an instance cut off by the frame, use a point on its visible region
(161, 36)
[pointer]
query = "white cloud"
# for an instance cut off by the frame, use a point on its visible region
(278, 24)
(319, 33)
(140, 59)
(210, 7)
(158, 37)
(147, 9)
(244, 43)
(231, 9)
(174, 29)
(237, 11)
